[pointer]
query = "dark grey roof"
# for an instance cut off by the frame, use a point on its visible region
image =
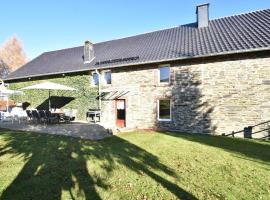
(4, 70)
(244, 32)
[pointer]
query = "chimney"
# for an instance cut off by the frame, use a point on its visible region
(202, 15)
(89, 53)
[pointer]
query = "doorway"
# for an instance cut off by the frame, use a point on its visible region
(120, 113)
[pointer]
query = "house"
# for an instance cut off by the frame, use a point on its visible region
(3, 69)
(211, 76)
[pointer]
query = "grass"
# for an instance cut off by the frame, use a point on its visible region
(139, 165)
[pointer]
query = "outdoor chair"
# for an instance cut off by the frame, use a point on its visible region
(51, 118)
(29, 115)
(2, 115)
(43, 116)
(6, 116)
(68, 117)
(74, 114)
(36, 117)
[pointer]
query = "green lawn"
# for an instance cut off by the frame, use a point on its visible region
(139, 165)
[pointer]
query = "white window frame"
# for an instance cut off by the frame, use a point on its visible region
(164, 83)
(164, 120)
(104, 80)
(92, 79)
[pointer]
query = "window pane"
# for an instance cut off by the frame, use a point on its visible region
(95, 78)
(164, 109)
(164, 74)
(108, 77)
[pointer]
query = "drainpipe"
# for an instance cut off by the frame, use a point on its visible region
(99, 88)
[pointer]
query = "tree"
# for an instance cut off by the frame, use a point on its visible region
(12, 53)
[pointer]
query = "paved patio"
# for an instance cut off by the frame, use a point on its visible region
(74, 129)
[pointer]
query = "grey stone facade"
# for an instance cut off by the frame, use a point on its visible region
(214, 96)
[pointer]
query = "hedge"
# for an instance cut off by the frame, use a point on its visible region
(84, 98)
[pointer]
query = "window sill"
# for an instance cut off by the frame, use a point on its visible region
(164, 84)
(164, 120)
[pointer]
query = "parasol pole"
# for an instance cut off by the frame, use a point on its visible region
(49, 100)
(7, 103)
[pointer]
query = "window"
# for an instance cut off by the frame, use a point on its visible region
(108, 77)
(95, 79)
(164, 110)
(164, 74)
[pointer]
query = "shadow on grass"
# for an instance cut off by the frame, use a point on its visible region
(259, 150)
(57, 163)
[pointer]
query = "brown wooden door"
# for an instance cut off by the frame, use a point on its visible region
(120, 113)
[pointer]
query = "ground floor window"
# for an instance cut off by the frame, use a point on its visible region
(164, 110)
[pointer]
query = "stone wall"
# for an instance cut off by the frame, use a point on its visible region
(217, 95)
(209, 96)
(238, 91)
(142, 89)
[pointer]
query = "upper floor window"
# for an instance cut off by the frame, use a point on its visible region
(108, 77)
(164, 74)
(95, 80)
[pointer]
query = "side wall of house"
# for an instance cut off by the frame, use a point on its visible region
(217, 96)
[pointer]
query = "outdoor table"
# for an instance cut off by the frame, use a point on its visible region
(60, 115)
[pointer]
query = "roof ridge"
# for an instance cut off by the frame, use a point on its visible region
(239, 14)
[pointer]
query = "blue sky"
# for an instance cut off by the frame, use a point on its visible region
(57, 24)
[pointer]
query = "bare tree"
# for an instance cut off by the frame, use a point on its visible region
(12, 53)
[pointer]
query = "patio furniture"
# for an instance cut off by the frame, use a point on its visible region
(74, 114)
(70, 115)
(43, 116)
(51, 117)
(36, 117)
(5, 93)
(67, 115)
(5, 116)
(18, 114)
(93, 115)
(29, 115)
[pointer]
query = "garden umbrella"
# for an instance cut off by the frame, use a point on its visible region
(48, 86)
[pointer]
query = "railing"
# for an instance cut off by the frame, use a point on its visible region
(247, 131)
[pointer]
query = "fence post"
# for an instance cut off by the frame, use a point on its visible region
(248, 132)
(268, 132)
(233, 134)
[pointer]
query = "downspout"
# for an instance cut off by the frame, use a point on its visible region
(99, 88)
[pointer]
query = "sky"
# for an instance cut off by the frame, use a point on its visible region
(57, 24)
